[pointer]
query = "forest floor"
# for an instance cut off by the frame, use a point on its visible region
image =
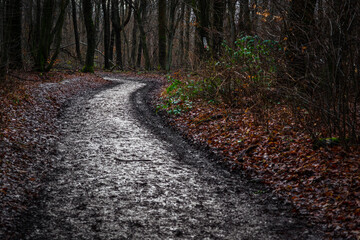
(323, 184)
(321, 181)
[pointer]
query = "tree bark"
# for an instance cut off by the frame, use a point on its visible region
(140, 18)
(90, 30)
(57, 34)
(107, 32)
(187, 32)
(118, 26)
(162, 33)
(204, 25)
(219, 7)
(173, 23)
(301, 19)
(244, 17)
(231, 19)
(134, 44)
(182, 29)
(3, 58)
(76, 31)
(13, 33)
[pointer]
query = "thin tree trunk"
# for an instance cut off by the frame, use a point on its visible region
(112, 41)
(187, 32)
(182, 28)
(90, 30)
(219, 7)
(118, 44)
(134, 44)
(244, 17)
(107, 32)
(232, 10)
(141, 17)
(57, 33)
(162, 33)
(76, 31)
(14, 30)
(126, 50)
(171, 32)
(118, 28)
(139, 53)
(301, 20)
(3, 58)
(202, 11)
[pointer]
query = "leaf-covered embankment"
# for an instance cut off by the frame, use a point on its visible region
(321, 180)
(30, 103)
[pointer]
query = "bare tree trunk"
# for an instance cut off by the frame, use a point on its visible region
(244, 17)
(141, 18)
(112, 41)
(219, 7)
(3, 59)
(139, 53)
(162, 33)
(90, 30)
(76, 31)
(134, 44)
(107, 32)
(118, 26)
(231, 20)
(204, 26)
(182, 28)
(171, 31)
(301, 20)
(187, 32)
(13, 34)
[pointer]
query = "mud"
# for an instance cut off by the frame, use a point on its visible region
(122, 174)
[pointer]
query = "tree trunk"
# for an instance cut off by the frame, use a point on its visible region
(45, 37)
(219, 7)
(139, 53)
(76, 31)
(231, 19)
(47, 34)
(90, 30)
(162, 33)
(182, 28)
(57, 34)
(204, 26)
(301, 19)
(134, 44)
(3, 59)
(112, 41)
(187, 32)
(140, 18)
(118, 45)
(245, 22)
(118, 26)
(173, 22)
(14, 29)
(107, 32)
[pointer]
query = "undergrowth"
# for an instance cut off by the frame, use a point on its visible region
(243, 77)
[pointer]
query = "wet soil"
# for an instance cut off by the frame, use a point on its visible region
(121, 173)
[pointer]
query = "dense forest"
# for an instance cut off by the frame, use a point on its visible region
(305, 51)
(293, 64)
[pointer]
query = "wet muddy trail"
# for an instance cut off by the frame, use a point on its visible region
(121, 174)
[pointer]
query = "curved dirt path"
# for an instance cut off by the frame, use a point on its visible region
(123, 175)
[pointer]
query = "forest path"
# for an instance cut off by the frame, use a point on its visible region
(121, 174)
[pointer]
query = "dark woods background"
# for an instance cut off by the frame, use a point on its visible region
(317, 69)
